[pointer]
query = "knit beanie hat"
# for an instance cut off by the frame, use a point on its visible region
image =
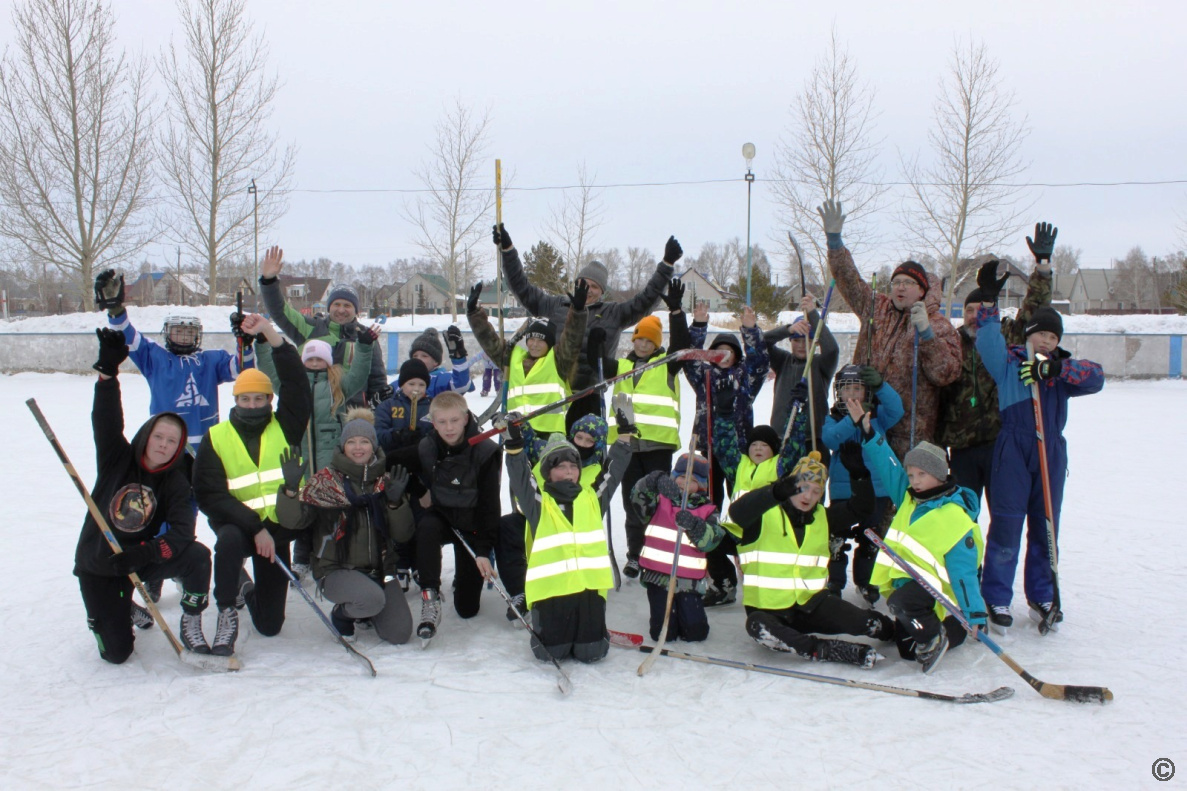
(929, 458)
(319, 350)
(914, 271)
(359, 422)
(252, 380)
(413, 369)
(810, 468)
(700, 469)
(595, 272)
(343, 291)
(764, 434)
(543, 329)
(1045, 319)
(428, 342)
(593, 425)
(556, 450)
(650, 328)
(976, 295)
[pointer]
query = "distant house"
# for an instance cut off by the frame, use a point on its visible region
(422, 293)
(489, 299)
(308, 295)
(166, 288)
(228, 286)
(700, 287)
(1092, 290)
(1012, 293)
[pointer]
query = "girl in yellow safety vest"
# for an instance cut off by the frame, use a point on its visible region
(784, 554)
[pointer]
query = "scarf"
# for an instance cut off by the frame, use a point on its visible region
(329, 488)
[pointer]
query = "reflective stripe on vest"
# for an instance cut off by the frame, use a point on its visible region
(539, 387)
(254, 486)
(568, 557)
(778, 572)
(656, 404)
(923, 544)
(659, 542)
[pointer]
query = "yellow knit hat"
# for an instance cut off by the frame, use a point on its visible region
(810, 468)
(251, 380)
(650, 328)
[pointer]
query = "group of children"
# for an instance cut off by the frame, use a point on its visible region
(371, 496)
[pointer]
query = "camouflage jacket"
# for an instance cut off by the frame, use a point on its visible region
(969, 413)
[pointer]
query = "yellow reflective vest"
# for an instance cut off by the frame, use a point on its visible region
(568, 557)
(779, 572)
(539, 387)
(924, 544)
(253, 485)
(656, 404)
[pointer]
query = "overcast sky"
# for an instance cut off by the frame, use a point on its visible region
(659, 92)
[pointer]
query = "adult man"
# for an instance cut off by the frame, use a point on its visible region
(340, 327)
(909, 318)
(611, 318)
(969, 420)
(237, 475)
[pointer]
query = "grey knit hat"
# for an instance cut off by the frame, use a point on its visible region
(556, 450)
(428, 342)
(359, 422)
(929, 458)
(595, 271)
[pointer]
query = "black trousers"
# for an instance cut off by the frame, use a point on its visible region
(572, 625)
(432, 532)
(688, 620)
(108, 600)
(916, 619)
(822, 614)
(511, 552)
(265, 603)
(866, 553)
(973, 468)
(638, 467)
(718, 561)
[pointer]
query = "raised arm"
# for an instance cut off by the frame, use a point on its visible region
(535, 300)
(568, 346)
(290, 320)
(856, 291)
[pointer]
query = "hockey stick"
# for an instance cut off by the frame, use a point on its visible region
(617, 573)
(203, 661)
(635, 641)
(324, 618)
(1074, 694)
(683, 354)
(563, 682)
(239, 338)
(672, 579)
(914, 385)
(814, 336)
(1049, 619)
(799, 256)
(870, 334)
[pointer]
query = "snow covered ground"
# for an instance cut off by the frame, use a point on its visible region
(475, 710)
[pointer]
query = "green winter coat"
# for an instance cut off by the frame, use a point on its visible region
(969, 416)
(325, 424)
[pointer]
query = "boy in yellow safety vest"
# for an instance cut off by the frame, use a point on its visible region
(936, 531)
(784, 555)
(237, 475)
(569, 567)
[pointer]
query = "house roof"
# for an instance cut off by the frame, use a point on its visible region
(1095, 284)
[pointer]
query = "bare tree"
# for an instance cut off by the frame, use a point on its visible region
(1136, 280)
(716, 261)
(574, 221)
(615, 267)
(1066, 260)
(216, 141)
(450, 213)
(640, 263)
(829, 150)
(75, 154)
(963, 204)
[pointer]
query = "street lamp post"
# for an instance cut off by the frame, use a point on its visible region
(748, 155)
(255, 218)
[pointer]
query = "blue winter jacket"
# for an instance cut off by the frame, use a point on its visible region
(745, 377)
(443, 380)
(961, 560)
(1076, 378)
(838, 431)
(187, 385)
(393, 421)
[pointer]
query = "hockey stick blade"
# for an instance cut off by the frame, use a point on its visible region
(325, 619)
(210, 662)
(635, 642)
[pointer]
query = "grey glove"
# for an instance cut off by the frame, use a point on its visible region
(292, 468)
(668, 488)
(919, 317)
(833, 218)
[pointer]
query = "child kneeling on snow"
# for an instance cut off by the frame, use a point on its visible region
(569, 560)
(657, 497)
(784, 554)
(353, 513)
(936, 531)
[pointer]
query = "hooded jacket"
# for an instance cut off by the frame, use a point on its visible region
(789, 370)
(161, 496)
(745, 378)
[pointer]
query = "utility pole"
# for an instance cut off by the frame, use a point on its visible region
(255, 218)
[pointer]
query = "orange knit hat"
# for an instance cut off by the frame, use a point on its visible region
(252, 380)
(651, 329)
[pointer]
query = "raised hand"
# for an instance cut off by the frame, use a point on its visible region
(113, 350)
(273, 262)
(1040, 370)
(808, 302)
(394, 484)
(109, 291)
(830, 212)
(579, 294)
(700, 312)
(475, 296)
(501, 238)
(919, 316)
(292, 467)
(1043, 244)
(454, 343)
(990, 284)
(674, 298)
(749, 318)
(368, 335)
(673, 252)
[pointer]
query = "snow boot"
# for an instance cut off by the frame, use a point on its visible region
(226, 632)
(519, 603)
(1039, 612)
(342, 623)
(191, 633)
(246, 586)
(631, 569)
(999, 618)
(860, 654)
(870, 593)
(716, 596)
(930, 654)
(430, 614)
(141, 618)
(154, 590)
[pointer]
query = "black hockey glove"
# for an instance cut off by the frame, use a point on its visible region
(133, 558)
(501, 238)
(473, 299)
(292, 467)
(673, 252)
(109, 292)
(394, 484)
(1043, 245)
(990, 284)
(514, 439)
(113, 350)
(1033, 371)
(625, 426)
(799, 393)
(454, 342)
(580, 294)
(674, 298)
